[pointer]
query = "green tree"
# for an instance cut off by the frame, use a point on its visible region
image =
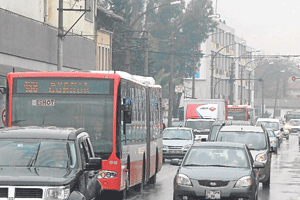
(274, 71)
(190, 24)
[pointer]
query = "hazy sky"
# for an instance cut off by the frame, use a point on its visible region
(272, 26)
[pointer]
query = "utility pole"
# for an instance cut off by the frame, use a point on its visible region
(60, 36)
(194, 72)
(171, 87)
(146, 55)
(262, 98)
(231, 81)
(241, 86)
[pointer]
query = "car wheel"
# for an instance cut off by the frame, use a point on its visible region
(276, 150)
(267, 183)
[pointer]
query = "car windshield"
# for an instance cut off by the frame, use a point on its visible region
(217, 156)
(254, 140)
(37, 153)
(199, 124)
(175, 134)
(272, 125)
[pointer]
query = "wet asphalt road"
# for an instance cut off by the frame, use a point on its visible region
(285, 177)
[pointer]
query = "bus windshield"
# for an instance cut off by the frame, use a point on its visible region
(237, 113)
(93, 112)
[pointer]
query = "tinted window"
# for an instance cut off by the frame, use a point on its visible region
(254, 140)
(177, 135)
(199, 124)
(215, 156)
(27, 153)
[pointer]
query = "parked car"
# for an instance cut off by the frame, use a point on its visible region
(217, 170)
(176, 142)
(48, 163)
(257, 140)
(217, 124)
(274, 124)
(274, 140)
(294, 125)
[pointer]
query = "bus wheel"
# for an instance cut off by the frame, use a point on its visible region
(152, 180)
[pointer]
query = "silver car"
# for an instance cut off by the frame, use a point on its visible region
(217, 170)
(257, 140)
(176, 142)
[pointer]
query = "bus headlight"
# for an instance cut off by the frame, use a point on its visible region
(107, 174)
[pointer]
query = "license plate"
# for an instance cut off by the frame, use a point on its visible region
(213, 194)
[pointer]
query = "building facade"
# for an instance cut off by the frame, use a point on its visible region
(29, 37)
(226, 57)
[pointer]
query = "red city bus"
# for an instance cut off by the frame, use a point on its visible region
(240, 112)
(121, 112)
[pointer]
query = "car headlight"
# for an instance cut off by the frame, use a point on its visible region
(261, 157)
(182, 179)
(187, 146)
(107, 174)
(244, 182)
(165, 146)
(59, 193)
(287, 126)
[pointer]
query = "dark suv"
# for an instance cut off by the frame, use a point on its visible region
(48, 163)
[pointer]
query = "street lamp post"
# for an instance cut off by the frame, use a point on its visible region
(131, 25)
(231, 75)
(212, 68)
(275, 104)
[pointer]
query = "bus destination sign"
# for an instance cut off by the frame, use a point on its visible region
(63, 86)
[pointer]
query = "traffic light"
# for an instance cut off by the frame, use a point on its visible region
(293, 78)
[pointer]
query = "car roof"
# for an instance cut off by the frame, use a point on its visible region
(232, 122)
(178, 128)
(35, 132)
(242, 128)
(219, 144)
(268, 120)
(202, 119)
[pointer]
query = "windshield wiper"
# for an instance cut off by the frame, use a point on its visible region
(193, 165)
(34, 157)
(217, 166)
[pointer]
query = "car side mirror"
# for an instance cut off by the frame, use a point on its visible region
(175, 161)
(257, 164)
(94, 163)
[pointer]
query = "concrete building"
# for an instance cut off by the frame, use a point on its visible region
(29, 42)
(228, 56)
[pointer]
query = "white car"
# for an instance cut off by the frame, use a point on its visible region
(294, 125)
(275, 125)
